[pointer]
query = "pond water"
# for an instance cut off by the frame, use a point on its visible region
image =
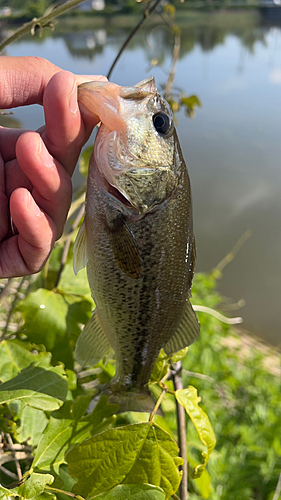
(232, 147)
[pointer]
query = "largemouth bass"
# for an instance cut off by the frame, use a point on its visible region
(137, 238)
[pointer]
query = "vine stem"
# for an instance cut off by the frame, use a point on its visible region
(147, 13)
(68, 493)
(159, 401)
(42, 21)
(181, 424)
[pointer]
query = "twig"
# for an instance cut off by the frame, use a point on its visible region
(12, 307)
(147, 13)
(8, 473)
(177, 381)
(68, 493)
(219, 316)
(11, 457)
(278, 489)
(230, 256)
(10, 441)
(41, 22)
(67, 244)
(159, 401)
(6, 289)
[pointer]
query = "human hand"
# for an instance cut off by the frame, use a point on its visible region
(36, 167)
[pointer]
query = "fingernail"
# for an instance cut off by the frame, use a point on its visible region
(32, 206)
(44, 155)
(73, 103)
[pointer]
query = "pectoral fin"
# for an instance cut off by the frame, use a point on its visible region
(92, 345)
(186, 333)
(80, 257)
(124, 248)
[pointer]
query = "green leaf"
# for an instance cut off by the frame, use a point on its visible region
(15, 356)
(53, 320)
(133, 492)
(75, 284)
(160, 368)
(133, 454)
(84, 161)
(66, 427)
(204, 484)
(5, 494)
(31, 488)
(189, 400)
(34, 485)
(179, 355)
(44, 389)
(32, 423)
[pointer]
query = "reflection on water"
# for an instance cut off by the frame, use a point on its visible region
(232, 147)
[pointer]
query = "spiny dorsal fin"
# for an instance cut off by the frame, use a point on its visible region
(92, 345)
(80, 257)
(187, 331)
(124, 248)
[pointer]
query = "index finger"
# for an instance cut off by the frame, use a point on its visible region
(23, 80)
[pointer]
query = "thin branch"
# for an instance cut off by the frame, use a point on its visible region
(147, 13)
(17, 464)
(6, 289)
(8, 473)
(181, 424)
(199, 375)
(159, 401)
(11, 457)
(68, 493)
(12, 307)
(219, 316)
(278, 489)
(230, 256)
(41, 22)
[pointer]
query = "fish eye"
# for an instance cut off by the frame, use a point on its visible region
(162, 123)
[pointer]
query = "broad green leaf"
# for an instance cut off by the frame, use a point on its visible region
(204, 484)
(189, 400)
(34, 485)
(160, 368)
(84, 161)
(68, 481)
(5, 494)
(15, 356)
(133, 454)
(32, 423)
(179, 355)
(44, 389)
(54, 319)
(31, 488)
(75, 284)
(133, 492)
(66, 427)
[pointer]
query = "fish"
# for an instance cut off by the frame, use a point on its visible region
(136, 239)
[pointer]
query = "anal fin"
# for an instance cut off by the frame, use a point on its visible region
(92, 345)
(187, 331)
